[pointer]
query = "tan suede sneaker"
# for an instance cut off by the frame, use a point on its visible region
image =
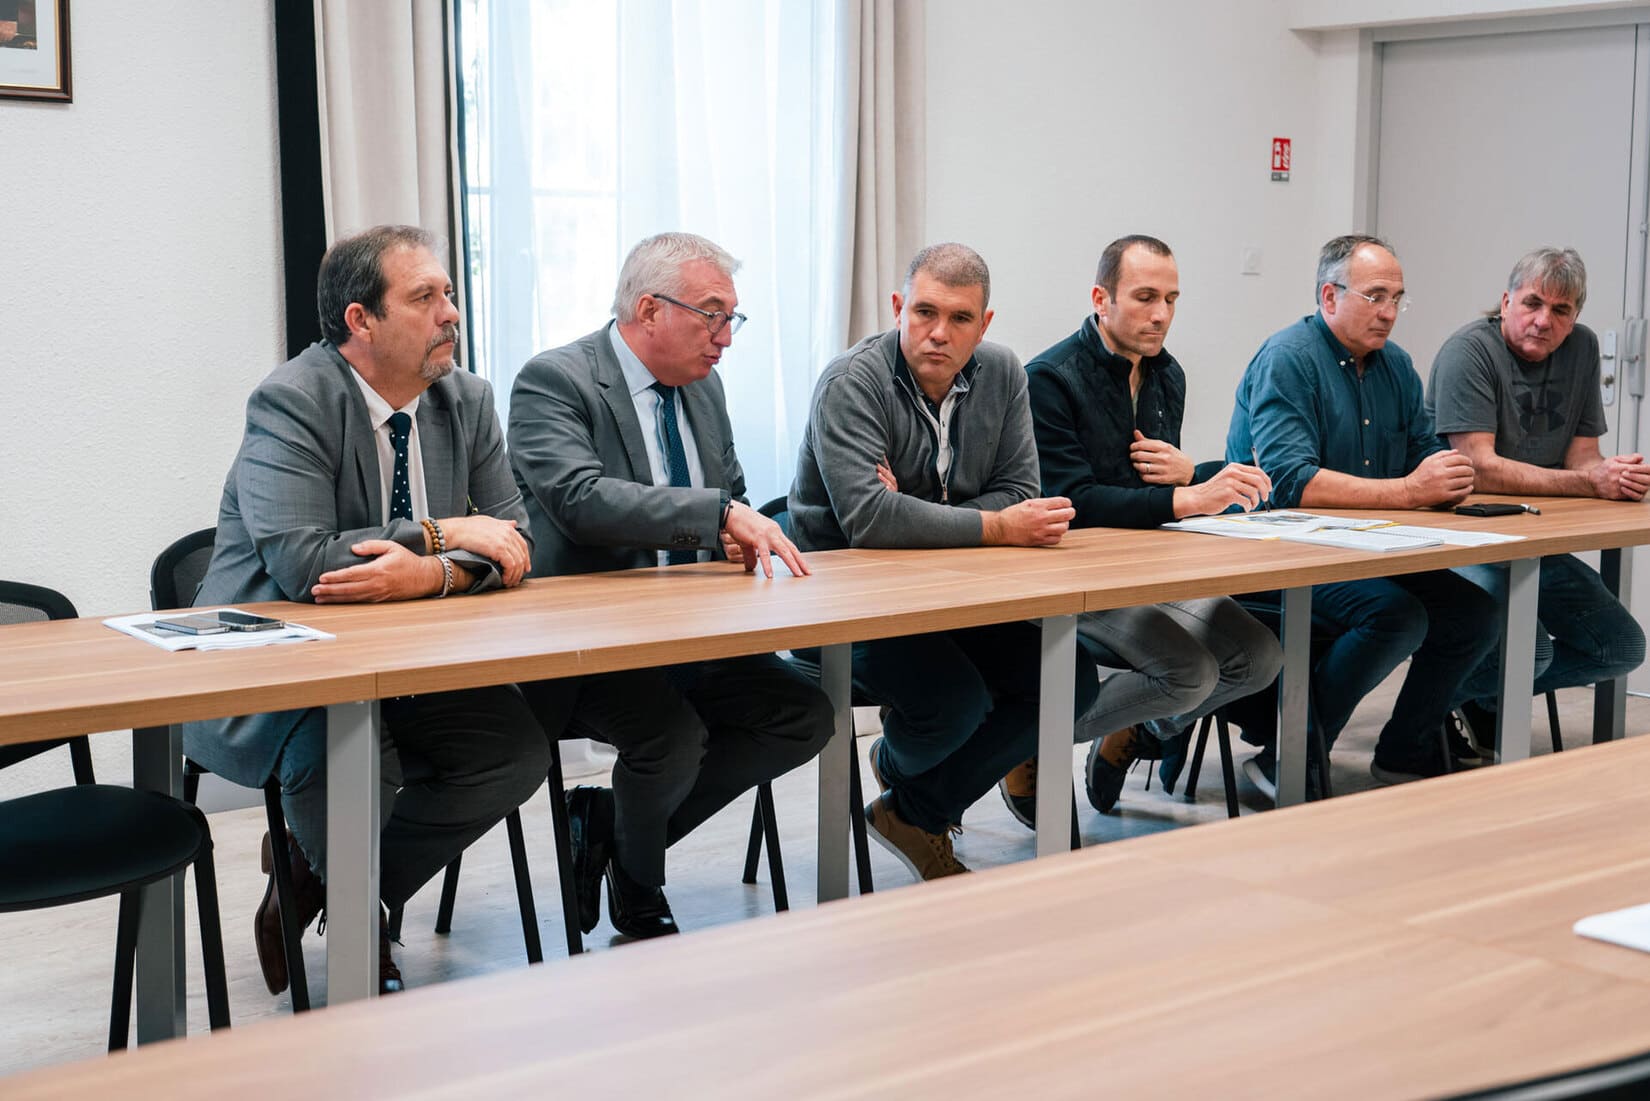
(1019, 791)
(1108, 766)
(925, 855)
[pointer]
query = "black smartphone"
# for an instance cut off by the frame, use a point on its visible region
(193, 625)
(246, 621)
(1489, 510)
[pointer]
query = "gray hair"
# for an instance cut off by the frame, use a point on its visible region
(353, 271)
(954, 265)
(655, 266)
(1557, 271)
(1336, 255)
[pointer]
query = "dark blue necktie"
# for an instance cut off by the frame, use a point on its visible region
(675, 456)
(400, 484)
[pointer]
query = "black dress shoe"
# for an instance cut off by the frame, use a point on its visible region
(637, 910)
(590, 821)
(389, 975)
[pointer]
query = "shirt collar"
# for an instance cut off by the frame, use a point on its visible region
(1342, 356)
(636, 375)
(378, 410)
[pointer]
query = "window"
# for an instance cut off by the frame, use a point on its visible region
(590, 124)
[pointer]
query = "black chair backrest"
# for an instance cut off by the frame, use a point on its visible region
(20, 603)
(1623, 1080)
(179, 570)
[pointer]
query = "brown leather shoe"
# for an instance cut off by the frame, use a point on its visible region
(308, 895)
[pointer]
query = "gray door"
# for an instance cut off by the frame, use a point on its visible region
(1492, 145)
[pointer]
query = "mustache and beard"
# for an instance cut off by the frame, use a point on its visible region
(433, 370)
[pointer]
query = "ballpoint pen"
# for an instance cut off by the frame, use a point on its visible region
(1266, 503)
(1531, 509)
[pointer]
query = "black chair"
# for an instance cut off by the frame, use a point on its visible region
(20, 603)
(93, 840)
(174, 580)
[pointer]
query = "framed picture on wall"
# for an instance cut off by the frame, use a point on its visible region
(34, 50)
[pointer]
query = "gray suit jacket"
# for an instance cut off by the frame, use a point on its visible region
(580, 461)
(305, 485)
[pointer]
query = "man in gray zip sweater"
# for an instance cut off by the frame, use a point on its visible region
(921, 437)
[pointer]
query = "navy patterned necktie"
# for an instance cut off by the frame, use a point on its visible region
(675, 457)
(400, 484)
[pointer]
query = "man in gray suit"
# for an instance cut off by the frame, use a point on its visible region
(623, 451)
(352, 450)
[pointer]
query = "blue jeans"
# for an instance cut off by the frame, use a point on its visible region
(1583, 634)
(1362, 630)
(962, 713)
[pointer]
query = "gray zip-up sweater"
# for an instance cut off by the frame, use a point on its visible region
(866, 407)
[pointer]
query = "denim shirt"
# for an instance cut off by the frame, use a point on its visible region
(1302, 407)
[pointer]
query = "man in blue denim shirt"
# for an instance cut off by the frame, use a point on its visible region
(1337, 418)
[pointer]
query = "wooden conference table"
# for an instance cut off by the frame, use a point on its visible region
(1406, 942)
(58, 679)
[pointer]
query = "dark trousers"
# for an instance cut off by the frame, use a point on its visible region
(1362, 630)
(453, 764)
(690, 739)
(962, 712)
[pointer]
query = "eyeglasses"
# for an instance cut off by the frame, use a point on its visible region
(715, 320)
(1379, 301)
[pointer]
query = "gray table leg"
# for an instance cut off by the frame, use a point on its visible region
(1610, 696)
(1295, 634)
(1518, 616)
(352, 852)
(835, 674)
(1054, 733)
(157, 765)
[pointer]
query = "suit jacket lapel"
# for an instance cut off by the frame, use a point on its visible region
(362, 452)
(707, 434)
(436, 444)
(616, 393)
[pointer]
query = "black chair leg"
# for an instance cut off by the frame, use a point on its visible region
(1197, 757)
(856, 825)
(1227, 774)
(563, 832)
(1552, 722)
(120, 1006)
(1317, 745)
(770, 833)
(753, 851)
(206, 902)
(449, 895)
(393, 926)
(1076, 833)
(524, 887)
(191, 782)
(291, 935)
(80, 756)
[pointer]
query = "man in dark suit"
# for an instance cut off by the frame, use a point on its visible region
(351, 451)
(623, 451)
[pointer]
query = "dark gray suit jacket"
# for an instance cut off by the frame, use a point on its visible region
(305, 485)
(580, 461)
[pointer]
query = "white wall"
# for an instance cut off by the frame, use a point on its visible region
(141, 268)
(1055, 127)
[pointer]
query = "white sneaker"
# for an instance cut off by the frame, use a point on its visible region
(1257, 775)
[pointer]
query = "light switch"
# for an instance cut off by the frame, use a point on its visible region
(1251, 260)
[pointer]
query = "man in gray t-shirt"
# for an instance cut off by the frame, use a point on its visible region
(1518, 394)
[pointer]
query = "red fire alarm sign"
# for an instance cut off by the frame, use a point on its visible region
(1280, 159)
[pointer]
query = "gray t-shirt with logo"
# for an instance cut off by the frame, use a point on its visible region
(1534, 409)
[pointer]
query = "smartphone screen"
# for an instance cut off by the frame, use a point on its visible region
(246, 621)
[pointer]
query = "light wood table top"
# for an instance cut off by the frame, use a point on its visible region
(78, 676)
(1121, 567)
(1399, 943)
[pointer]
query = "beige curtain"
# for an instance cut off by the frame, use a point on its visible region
(388, 104)
(881, 76)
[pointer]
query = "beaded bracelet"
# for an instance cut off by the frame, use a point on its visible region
(438, 538)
